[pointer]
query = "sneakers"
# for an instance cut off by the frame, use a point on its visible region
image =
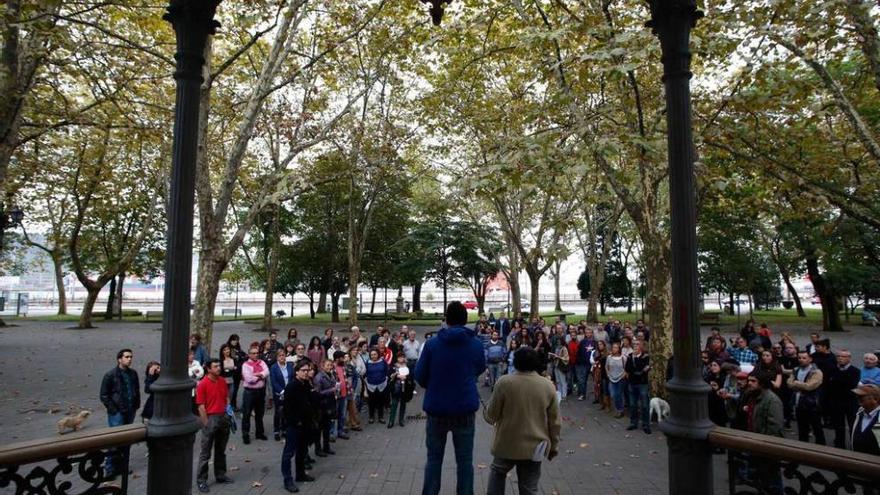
(203, 487)
(261, 437)
(320, 454)
(305, 478)
(277, 437)
(329, 451)
(581, 397)
(632, 427)
(225, 480)
(246, 439)
(400, 423)
(647, 430)
(344, 436)
(291, 487)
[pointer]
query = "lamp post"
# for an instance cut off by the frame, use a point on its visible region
(687, 428)
(9, 219)
(171, 431)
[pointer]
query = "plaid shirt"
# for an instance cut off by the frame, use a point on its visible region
(743, 355)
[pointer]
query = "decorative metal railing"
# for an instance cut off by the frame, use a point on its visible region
(771, 465)
(69, 464)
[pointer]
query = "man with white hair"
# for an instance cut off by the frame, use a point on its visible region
(412, 348)
(870, 372)
(842, 401)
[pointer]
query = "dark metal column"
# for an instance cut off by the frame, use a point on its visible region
(690, 455)
(171, 432)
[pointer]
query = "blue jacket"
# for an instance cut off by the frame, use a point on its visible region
(448, 369)
(277, 379)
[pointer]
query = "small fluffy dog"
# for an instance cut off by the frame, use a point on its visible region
(660, 408)
(74, 422)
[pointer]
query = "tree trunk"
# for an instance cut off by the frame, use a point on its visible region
(322, 303)
(513, 276)
(786, 277)
(271, 276)
(830, 316)
(557, 268)
(534, 280)
(311, 306)
(207, 288)
(334, 302)
(445, 302)
(59, 283)
(373, 302)
(119, 285)
(750, 305)
(658, 279)
(111, 298)
(417, 297)
(354, 274)
(845, 310)
(85, 318)
(602, 305)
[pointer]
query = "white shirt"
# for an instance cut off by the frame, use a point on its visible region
(412, 349)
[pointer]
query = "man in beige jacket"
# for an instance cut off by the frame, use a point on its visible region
(525, 413)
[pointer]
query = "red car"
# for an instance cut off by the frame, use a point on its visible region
(470, 304)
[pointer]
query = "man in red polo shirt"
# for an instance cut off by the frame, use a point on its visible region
(212, 397)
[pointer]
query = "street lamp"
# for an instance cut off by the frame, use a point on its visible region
(436, 9)
(9, 219)
(171, 431)
(688, 427)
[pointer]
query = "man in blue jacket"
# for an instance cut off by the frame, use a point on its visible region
(448, 369)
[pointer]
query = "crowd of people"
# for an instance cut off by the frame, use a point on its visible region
(318, 390)
(762, 384)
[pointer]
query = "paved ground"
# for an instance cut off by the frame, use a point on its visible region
(46, 368)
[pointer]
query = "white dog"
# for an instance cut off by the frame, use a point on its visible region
(660, 408)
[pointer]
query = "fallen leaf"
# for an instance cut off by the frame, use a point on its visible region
(374, 475)
(481, 466)
(569, 451)
(247, 460)
(342, 476)
(256, 484)
(234, 468)
(584, 445)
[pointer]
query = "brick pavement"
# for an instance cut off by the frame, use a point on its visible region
(46, 368)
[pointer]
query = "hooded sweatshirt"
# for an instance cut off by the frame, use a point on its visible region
(448, 370)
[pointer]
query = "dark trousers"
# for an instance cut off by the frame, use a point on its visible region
(214, 437)
(842, 418)
(528, 473)
(253, 401)
(236, 384)
(278, 417)
(296, 444)
(376, 402)
(397, 402)
(436, 431)
(809, 420)
(324, 431)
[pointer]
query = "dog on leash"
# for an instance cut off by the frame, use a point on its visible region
(73, 422)
(660, 408)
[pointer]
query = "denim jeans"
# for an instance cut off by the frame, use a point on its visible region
(462, 428)
(341, 413)
(580, 371)
(617, 390)
(561, 384)
(117, 459)
(295, 444)
(494, 373)
(528, 473)
(638, 405)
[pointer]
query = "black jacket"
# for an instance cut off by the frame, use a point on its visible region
(840, 385)
(148, 404)
(112, 394)
(635, 368)
(298, 408)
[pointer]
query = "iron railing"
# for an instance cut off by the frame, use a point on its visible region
(69, 464)
(771, 465)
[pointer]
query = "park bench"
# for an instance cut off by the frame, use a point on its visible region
(710, 318)
(370, 316)
(230, 311)
(152, 315)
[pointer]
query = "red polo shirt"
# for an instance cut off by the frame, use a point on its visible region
(212, 394)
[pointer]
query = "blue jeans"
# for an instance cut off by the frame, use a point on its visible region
(580, 371)
(117, 459)
(294, 445)
(341, 413)
(494, 373)
(462, 428)
(638, 404)
(617, 390)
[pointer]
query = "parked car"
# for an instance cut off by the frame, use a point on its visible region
(470, 304)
